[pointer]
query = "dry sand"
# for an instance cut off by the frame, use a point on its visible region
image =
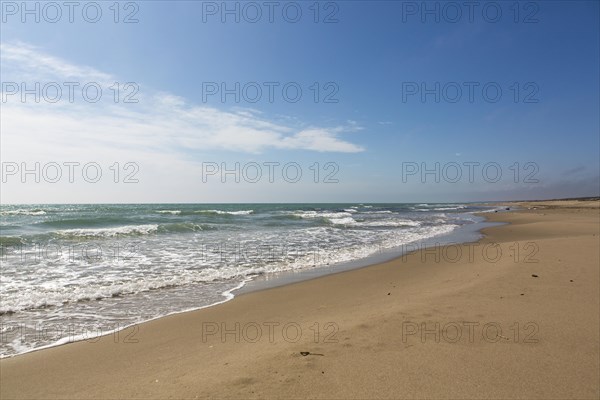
(370, 330)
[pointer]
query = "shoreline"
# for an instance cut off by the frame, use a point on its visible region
(356, 304)
(464, 233)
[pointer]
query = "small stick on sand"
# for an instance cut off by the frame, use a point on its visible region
(308, 353)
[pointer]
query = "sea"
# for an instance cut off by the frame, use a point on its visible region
(73, 272)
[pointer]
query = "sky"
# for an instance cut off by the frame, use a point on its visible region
(343, 101)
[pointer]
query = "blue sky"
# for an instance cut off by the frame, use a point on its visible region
(370, 57)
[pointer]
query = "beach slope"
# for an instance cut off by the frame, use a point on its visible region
(515, 315)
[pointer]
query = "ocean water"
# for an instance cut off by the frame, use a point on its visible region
(78, 271)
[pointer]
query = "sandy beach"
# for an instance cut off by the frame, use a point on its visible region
(515, 315)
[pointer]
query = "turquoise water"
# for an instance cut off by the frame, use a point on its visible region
(88, 269)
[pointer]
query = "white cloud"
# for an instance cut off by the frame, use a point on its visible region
(318, 140)
(160, 122)
(32, 63)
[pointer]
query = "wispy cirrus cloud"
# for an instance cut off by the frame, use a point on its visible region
(28, 62)
(160, 122)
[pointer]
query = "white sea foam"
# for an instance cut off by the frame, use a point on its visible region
(23, 212)
(342, 221)
(390, 223)
(110, 232)
(315, 214)
(241, 212)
